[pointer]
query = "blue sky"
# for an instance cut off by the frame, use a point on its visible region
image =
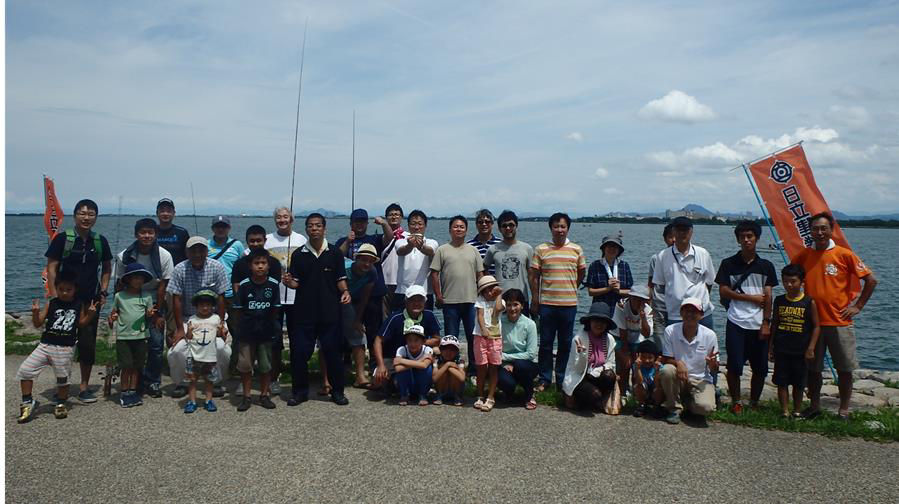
(587, 107)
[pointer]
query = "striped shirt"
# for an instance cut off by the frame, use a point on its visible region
(482, 249)
(558, 267)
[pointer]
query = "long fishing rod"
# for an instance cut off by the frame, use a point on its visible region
(353, 183)
(196, 223)
(296, 139)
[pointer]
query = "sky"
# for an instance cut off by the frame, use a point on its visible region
(587, 107)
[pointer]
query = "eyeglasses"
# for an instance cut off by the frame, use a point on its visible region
(485, 221)
(86, 214)
(507, 225)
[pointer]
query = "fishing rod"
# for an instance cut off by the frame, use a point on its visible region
(353, 180)
(296, 139)
(196, 223)
(118, 226)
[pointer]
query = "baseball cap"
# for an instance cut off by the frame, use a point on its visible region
(416, 329)
(165, 201)
(221, 219)
(416, 290)
(197, 240)
(449, 340)
(367, 249)
(359, 214)
(204, 294)
(682, 222)
(692, 301)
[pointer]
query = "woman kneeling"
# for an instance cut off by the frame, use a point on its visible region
(590, 381)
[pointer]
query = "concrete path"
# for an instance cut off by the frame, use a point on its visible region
(373, 452)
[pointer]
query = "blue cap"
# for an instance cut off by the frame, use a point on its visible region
(359, 214)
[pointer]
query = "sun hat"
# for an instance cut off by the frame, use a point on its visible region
(599, 310)
(137, 269)
(416, 290)
(416, 330)
(367, 249)
(197, 240)
(204, 294)
(639, 291)
(692, 301)
(359, 214)
(682, 222)
(612, 239)
(648, 346)
(449, 340)
(486, 282)
(221, 219)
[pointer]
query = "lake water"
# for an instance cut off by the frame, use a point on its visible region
(877, 331)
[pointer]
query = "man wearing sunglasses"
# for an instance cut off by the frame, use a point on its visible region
(510, 258)
(485, 238)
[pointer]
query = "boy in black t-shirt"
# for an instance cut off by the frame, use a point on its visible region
(257, 306)
(61, 318)
(796, 329)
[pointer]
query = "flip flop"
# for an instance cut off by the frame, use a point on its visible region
(324, 391)
(531, 404)
(364, 386)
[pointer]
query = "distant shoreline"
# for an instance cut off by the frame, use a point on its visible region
(861, 223)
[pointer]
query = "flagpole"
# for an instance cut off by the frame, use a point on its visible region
(788, 147)
(353, 183)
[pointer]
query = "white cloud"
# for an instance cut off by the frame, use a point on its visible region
(576, 136)
(677, 106)
(602, 172)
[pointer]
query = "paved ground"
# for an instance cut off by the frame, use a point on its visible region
(369, 451)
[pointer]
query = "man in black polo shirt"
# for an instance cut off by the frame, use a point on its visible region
(745, 281)
(318, 274)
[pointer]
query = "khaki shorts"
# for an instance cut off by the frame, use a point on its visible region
(840, 342)
(247, 352)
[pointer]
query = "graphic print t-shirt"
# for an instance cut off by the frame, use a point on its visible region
(61, 326)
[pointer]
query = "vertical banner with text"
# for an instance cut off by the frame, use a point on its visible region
(52, 219)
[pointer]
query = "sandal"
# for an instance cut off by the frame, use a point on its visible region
(531, 404)
(458, 402)
(423, 402)
(488, 405)
(438, 402)
(479, 404)
(404, 401)
(326, 390)
(362, 385)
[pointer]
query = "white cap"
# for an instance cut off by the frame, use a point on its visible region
(416, 290)
(416, 329)
(692, 301)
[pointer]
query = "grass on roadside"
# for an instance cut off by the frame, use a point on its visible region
(879, 425)
(891, 384)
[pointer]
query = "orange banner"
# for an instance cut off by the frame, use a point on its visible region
(787, 187)
(52, 219)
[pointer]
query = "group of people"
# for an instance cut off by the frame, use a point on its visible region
(221, 308)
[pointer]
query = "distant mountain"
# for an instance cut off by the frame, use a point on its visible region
(842, 216)
(697, 209)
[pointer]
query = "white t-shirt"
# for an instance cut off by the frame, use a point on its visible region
(425, 352)
(685, 276)
(626, 319)
(489, 307)
(693, 353)
(202, 345)
(165, 261)
(413, 268)
(277, 247)
(390, 263)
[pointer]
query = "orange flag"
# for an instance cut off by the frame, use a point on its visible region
(787, 187)
(52, 219)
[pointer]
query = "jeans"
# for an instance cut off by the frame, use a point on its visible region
(414, 382)
(302, 344)
(556, 322)
(523, 373)
(153, 370)
(452, 315)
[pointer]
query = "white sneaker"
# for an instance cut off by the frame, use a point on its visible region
(276, 388)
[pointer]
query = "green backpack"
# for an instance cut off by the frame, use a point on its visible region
(70, 243)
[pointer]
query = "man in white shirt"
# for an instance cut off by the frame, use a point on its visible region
(414, 253)
(281, 245)
(685, 270)
(690, 355)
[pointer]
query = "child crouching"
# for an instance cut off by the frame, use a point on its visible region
(413, 367)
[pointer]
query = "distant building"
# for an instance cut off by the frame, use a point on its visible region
(671, 214)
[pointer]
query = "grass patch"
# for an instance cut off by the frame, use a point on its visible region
(891, 384)
(879, 425)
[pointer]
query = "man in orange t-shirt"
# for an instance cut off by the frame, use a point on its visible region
(832, 274)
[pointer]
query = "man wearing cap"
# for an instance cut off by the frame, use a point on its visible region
(198, 272)
(685, 270)
(318, 273)
(173, 238)
(482, 241)
(690, 355)
(745, 281)
(633, 316)
(281, 244)
(227, 251)
(609, 278)
(392, 333)
(146, 251)
(833, 274)
(510, 258)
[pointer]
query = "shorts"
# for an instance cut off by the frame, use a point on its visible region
(56, 356)
(488, 350)
(131, 354)
(840, 341)
(250, 351)
(208, 370)
(742, 345)
(790, 370)
(354, 338)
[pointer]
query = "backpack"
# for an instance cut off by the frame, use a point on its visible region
(70, 243)
(725, 302)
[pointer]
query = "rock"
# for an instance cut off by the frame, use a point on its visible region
(885, 393)
(864, 374)
(884, 376)
(865, 402)
(866, 386)
(830, 390)
(894, 401)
